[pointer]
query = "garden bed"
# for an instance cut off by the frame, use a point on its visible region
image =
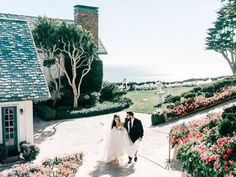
(207, 147)
(167, 115)
(60, 166)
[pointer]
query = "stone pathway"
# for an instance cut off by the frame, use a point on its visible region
(58, 138)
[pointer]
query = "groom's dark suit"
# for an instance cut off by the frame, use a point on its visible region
(136, 131)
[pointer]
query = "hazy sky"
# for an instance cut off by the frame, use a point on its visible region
(168, 35)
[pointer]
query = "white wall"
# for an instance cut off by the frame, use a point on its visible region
(24, 121)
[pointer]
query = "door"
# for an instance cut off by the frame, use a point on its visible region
(9, 127)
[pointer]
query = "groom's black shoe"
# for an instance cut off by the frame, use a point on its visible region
(130, 159)
(135, 159)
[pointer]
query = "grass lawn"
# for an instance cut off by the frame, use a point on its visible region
(144, 101)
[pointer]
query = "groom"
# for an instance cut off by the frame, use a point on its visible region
(135, 129)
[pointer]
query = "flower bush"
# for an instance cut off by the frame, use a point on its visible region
(203, 150)
(190, 105)
(57, 167)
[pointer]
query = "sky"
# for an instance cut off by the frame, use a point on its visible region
(164, 36)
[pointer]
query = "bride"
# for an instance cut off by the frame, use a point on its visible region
(117, 142)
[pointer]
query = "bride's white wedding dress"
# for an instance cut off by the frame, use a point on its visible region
(116, 143)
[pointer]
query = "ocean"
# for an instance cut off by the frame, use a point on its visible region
(117, 73)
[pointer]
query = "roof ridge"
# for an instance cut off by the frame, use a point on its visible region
(29, 16)
(13, 19)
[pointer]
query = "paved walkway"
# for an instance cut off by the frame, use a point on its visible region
(58, 138)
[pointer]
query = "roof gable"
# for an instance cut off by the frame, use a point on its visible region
(21, 75)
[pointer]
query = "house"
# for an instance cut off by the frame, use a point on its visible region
(22, 78)
(86, 16)
(21, 82)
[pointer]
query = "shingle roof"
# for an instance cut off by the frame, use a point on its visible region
(33, 20)
(21, 75)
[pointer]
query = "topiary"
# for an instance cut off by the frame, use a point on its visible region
(45, 112)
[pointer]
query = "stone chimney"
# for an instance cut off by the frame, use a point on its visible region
(87, 17)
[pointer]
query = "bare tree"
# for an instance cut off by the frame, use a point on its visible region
(77, 60)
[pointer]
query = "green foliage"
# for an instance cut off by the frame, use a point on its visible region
(197, 89)
(225, 127)
(88, 99)
(92, 82)
(29, 151)
(209, 94)
(110, 92)
(210, 88)
(157, 119)
(78, 49)
(228, 124)
(188, 95)
(67, 97)
(45, 112)
(131, 85)
(3, 152)
(49, 62)
(222, 37)
(100, 108)
(172, 99)
(45, 33)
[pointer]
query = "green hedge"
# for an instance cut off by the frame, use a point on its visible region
(92, 82)
(101, 108)
(228, 124)
(157, 119)
(45, 112)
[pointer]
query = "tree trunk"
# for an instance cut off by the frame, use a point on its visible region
(75, 105)
(55, 97)
(75, 93)
(233, 68)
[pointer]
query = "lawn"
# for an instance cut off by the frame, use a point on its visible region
(144, 101)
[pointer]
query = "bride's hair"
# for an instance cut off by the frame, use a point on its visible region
(114, 122)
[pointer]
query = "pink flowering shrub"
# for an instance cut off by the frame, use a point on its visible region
(57, 167)
(202, 150)
(198, 102)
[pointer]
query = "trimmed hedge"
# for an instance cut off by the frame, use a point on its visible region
(172, 99)
(68, 112)
(101, 108)
(45, 112)
(157, 119)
